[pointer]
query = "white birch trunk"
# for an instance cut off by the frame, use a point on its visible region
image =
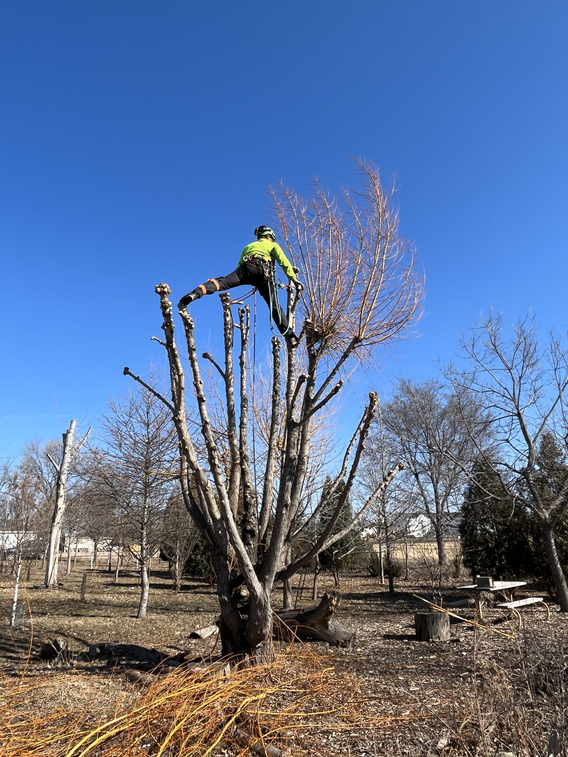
(59, 509)
(16, 588)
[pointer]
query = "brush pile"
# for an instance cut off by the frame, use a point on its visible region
(260, 710)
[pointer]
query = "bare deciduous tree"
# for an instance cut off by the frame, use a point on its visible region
(392, 509)
(361, 291)
(425, 423)
(22, 502)
(361, 286)
(523, 383)
(136, 467)
(180, 536)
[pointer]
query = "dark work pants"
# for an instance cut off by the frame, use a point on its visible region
(248, 274)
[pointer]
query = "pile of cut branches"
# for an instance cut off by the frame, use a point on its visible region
(259, 710)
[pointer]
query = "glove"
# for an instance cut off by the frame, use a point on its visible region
(185, 300)
(298, 284)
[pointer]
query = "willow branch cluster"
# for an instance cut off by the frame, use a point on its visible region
(361, 277)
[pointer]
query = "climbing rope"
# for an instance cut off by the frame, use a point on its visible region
(252, 392)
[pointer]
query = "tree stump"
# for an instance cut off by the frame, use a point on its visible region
(432, 626)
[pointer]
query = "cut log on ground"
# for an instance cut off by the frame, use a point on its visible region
(432, 626)
(204, 633)
(121, 653)
(317, 623)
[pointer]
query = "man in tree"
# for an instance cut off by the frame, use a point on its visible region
(256, 268)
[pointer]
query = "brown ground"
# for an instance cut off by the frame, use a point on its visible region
(479, 694)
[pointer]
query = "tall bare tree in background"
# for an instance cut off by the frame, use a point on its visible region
(35, 463)
(362, 291)
(21, 502)
(69, 450)
(433, 430)
(50, 467)
(522, 381)
(396, 504)
(133, 470)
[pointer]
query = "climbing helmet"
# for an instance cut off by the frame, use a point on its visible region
(264, 231)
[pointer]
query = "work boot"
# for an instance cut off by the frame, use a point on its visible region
(187, 300)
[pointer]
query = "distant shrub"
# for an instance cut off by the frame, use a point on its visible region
(395, 568)
(198, 564)
(374, 567)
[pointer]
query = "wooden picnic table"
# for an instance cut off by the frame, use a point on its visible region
(505, 588)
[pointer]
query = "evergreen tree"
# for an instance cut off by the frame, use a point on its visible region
(342, 554)
(549, 480)
(497, 535)
(198, 564)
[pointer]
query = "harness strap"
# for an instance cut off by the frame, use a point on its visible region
(215, 282)
(203, 290)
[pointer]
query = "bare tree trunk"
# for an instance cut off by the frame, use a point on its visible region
(390, 567)
(335, 571)
(68, 570)
(441, 545)
(16, 587)
(317, 570)
(558, 576)
(287, 602)
(119, 558)
(144, 591)
(59, 509)
(178, 568)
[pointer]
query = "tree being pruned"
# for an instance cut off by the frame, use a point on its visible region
(362, 292)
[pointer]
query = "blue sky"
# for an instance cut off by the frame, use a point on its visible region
(137, 139)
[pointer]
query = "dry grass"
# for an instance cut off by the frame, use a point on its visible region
(389, 695)
(188, 714)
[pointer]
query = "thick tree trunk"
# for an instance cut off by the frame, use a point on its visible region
(558, 576)
(251, 641)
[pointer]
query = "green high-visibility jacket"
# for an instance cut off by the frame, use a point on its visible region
(269, 250)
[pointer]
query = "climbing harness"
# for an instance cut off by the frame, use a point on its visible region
(260, 262)
(269, 273)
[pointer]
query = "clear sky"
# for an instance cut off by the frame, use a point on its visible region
(137, 139)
